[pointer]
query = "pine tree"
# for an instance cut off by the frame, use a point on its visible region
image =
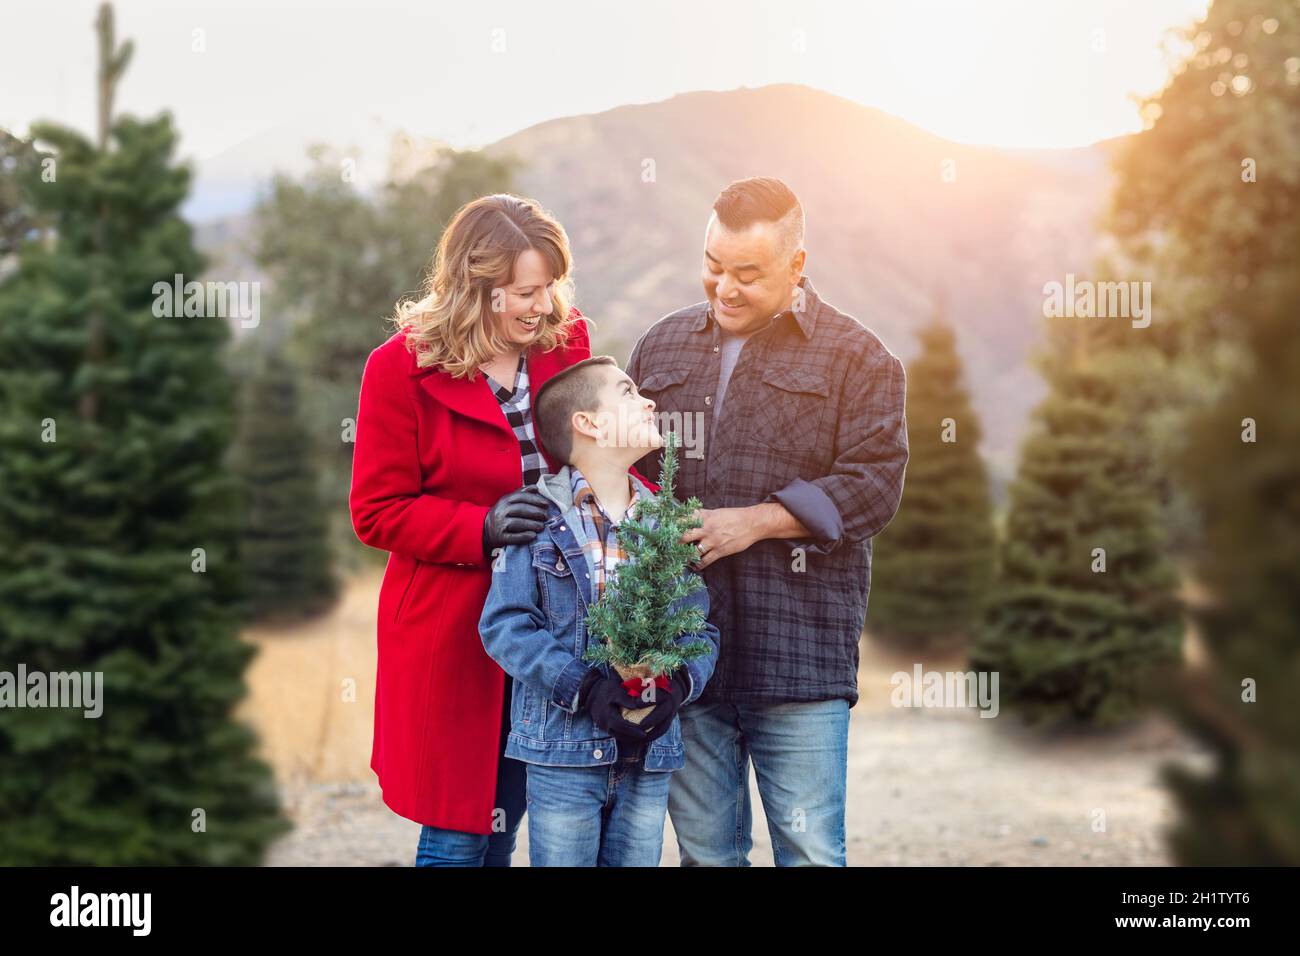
(284, 541)
(18, 159)
(1243, 467)
(1083, 622)
(932, 565)
(635, 620)
(1209, 195)
(114, 424)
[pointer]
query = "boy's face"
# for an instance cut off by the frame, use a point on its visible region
(623, 418)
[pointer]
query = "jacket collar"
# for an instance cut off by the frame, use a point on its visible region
(474, 399)
(805, 319)
(558, 489)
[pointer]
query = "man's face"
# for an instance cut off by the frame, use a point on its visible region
(747, 277)
(624, 418)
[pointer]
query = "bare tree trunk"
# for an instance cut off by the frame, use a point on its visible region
(112, 64)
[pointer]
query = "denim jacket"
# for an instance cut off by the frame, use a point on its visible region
(534, 625)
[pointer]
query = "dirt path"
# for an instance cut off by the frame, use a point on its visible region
(926, 786)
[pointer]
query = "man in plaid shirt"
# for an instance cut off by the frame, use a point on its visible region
(794, 438)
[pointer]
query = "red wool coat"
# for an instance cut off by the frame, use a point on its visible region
(432, 455)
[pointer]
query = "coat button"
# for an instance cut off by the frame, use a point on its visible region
(708, 399)
(559, 565)
(597, 753)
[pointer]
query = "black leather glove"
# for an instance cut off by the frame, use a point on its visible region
(669, 703)
(589, 680)
(606, 699)
(515, 519)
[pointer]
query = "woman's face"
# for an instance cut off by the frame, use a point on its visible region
(518, 307)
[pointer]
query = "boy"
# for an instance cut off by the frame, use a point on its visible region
(597, 783)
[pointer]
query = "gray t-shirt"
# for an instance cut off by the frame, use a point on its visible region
(729, 346)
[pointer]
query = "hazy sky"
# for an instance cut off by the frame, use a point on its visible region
(280, 74)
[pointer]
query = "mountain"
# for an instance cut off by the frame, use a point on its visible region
(886, 233)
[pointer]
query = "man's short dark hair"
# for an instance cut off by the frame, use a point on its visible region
(574, 389)
(762, 199)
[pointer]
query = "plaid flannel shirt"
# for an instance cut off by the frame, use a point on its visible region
(814, 419)
(601, 545)
(515, 404)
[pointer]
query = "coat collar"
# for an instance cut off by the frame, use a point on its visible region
(805, 318)
(474, 399)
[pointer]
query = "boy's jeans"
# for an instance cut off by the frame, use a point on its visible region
(439, 847)
(800, 752)
(596, 816)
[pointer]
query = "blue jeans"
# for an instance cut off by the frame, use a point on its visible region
(596, 816)
(800, 753)
(439, 847)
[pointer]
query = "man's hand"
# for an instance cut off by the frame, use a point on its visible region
(725, 531)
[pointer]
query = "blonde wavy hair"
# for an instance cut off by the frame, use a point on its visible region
(452, 324)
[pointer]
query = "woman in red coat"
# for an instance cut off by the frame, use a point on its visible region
(444, 452)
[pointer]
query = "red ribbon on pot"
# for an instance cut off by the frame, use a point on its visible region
(635, 685)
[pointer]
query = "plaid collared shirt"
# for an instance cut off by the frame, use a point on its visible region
(514, 405)
(814, 420)
(601, 545)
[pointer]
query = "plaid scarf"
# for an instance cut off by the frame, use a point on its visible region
(601, 546)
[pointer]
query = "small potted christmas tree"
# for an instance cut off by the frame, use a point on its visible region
(636, 620)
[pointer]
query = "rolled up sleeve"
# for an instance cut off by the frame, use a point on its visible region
(815, 511)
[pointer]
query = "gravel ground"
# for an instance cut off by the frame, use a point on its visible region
(926, 786)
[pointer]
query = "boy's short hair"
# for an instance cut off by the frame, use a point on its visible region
(574, 389)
